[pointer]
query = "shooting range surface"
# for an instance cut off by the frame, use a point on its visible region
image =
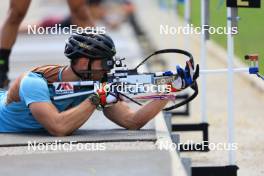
(100, 163)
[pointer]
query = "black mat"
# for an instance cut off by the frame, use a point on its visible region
(81, 136)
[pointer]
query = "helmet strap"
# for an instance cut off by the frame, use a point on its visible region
(89, 68)
(76, 73)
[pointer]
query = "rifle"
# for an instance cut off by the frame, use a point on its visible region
(125, 77)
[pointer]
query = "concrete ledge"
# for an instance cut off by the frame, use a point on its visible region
(80, 136)
(187, 163)
(163, 136)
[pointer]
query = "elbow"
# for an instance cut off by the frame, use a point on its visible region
(133, 128)
(130, 125)
(58, 131)
(58, 134)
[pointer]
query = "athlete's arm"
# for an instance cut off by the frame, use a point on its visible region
(122, 115)
(61, 123)
(79, 13)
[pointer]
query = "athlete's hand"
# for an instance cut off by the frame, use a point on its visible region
(186, 77)
(107, 95)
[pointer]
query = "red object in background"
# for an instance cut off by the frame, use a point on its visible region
(50, 21)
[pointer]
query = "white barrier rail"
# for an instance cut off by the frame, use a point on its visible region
(224, 70)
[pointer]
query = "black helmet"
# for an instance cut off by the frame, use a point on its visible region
(90, 45)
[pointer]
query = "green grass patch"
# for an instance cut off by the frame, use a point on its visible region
(251, 27)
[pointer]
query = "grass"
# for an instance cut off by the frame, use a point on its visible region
(251, 28)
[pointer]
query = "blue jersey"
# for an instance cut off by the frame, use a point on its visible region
(16, 116)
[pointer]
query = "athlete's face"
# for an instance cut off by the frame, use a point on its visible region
(97, 71)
